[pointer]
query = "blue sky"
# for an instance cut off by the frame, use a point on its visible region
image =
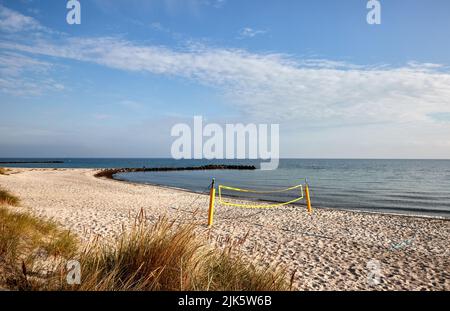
(115, 85)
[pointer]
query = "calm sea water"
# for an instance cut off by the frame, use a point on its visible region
(406, 186)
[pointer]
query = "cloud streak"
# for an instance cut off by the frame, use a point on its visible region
(273, 86)
(262, 86)
(21, 75)
(12, 21)
(248, 32)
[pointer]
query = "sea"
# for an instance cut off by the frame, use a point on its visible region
(418, 187)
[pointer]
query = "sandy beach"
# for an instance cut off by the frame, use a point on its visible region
(327, 250)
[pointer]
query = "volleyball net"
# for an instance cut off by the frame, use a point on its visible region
(227, 202)
(301, 192)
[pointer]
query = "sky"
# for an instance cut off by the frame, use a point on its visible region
(116, 84)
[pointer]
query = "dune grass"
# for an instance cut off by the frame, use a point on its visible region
(150, 257)
(3, 171)
(24, 239)
(8, 198)
(169, 257)
(21, 232)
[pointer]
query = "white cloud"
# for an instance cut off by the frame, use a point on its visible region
(14, 64)
(21, 74)
(13, 21)
(248, 32)
(274, 86)
(171, 7)
(29, 86)
(217, 3)
(24, 76)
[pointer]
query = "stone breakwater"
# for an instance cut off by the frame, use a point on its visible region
(109, 173)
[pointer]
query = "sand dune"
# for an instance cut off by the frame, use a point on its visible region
(327, 250)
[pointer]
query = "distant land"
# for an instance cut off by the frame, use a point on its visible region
(33, 162)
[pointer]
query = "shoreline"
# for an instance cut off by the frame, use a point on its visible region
(245, 167)
(326, 250)
(447, 218)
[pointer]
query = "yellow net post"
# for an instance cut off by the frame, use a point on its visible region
(212, 196)
(308, 198)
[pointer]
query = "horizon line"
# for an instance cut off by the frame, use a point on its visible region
(258, 159)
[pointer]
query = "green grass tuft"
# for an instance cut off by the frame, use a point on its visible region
(151, 257)
(8, 198)
(22, 236)
(169, 257)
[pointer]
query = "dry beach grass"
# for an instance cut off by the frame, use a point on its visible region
(329, 249)
(151, 256)
(169, 257)
(27, 244)
(8, 198)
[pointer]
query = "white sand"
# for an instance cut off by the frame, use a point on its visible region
(327, 250)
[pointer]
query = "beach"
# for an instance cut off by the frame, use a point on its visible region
(326, 250)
